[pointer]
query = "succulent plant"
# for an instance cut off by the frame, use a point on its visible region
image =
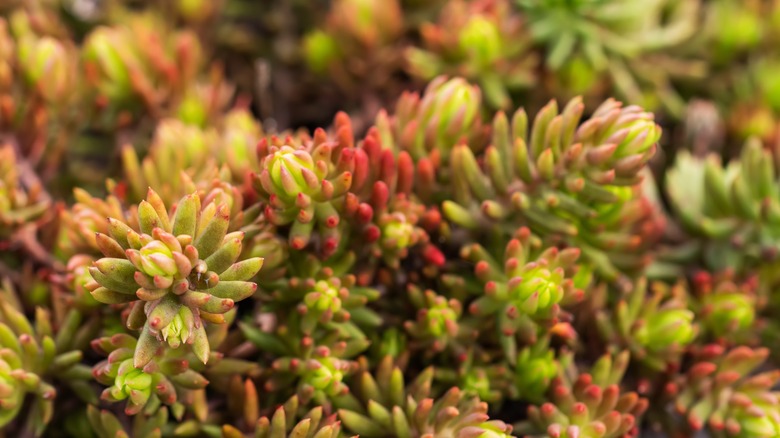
(46, 66)
(36, 63)
(730, 209)
(536, 367)
(239, 141)
(356, 40)
(305, 185)
(480, 41)
(324, 294)
(436, 324)
(431, 125)
(571, 182)
(169, 168)
(313, 424)
(388, 407)
(587, 40)
(315, 365)
(32, 357)
(86, 217)
(425, 272)
(478, 377)
(150, 71)
(727, 309)
(744, 33)
(165, 380)
(106, 425)
(721, 392)
(526, 288)
(590, 404)
(655, 327)
(390, 216)
(19, 204)
(169, 272)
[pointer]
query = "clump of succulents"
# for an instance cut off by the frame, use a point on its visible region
(629, 45)
(723, 392)
(572, 182)
(481, 41)
(33, 359)
(590, 404)
(142, 385)
(319, 219)
(741, 59)
(357, 46)
(386, 406)
(526, 288)
(729, 210)
(21, 202)
(156, 70)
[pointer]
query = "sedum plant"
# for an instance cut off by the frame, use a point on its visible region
(19, 204)
(561, 178)
(656, 326)
(730, 207)
(32, 357)
(325, 219)
(406, 412)
(627, 43)
(590, 404)
(104, 424)
(482, 42)
(721, 393)
(312, 424)
(179, 273)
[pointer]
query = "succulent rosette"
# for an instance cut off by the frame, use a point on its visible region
(306, 184)
(724, 392)
(167, 380)
(140, 64)
(522, 290)
(727, 308)
(481, 41)
(356, 46)
(437, 320)
(589, 404)
(535, 369)
(730, 210)
(178, 273)
(18, 204)
(656, 326)
(385, 406)
(46, 65)
(432, 124)
(32, 358)
(567, 181)
(170, 169)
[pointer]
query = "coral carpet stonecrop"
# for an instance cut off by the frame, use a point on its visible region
(180, 270)
(568, 181)
(389, 218)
